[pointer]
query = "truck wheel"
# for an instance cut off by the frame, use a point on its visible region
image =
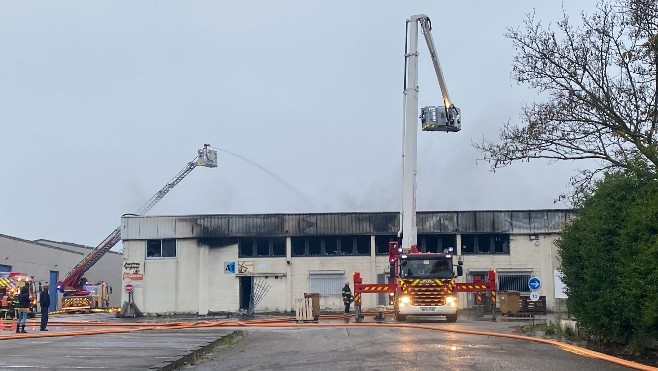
(451, 317)
(400, 317)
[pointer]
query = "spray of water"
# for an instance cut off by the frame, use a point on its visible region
(278, 178)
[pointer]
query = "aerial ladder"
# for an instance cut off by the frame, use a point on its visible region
(420, 283)
(75, 296)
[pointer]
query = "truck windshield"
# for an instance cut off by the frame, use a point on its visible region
(427, 268)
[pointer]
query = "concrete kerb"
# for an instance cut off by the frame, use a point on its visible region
(199, 352)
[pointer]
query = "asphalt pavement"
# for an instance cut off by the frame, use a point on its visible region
(357, 348)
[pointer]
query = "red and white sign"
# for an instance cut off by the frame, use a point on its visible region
(135, 280)
(129, 288)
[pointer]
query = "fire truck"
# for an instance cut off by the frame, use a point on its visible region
(421, 284)
(78, 296)
(91, 297)
(11, 284)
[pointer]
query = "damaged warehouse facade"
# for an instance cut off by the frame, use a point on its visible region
(221, 263)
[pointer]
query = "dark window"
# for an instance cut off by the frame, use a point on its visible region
(484, 243)
(298, 246)
(447, 241)
(161, 248)
(331, 246)
(278, 247)
(346, 246)
(314, 245)
(363, 245)
(246, 247)
(263, 247)
(468, 244)
(501, 244)
(429, 243)
(381, 244)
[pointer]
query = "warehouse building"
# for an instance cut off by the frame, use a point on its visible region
(50, 261)
(223, 263)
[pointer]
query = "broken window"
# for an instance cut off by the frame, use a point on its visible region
(428, 243)
(362, 245)
(246, 247)
(446, 241)
(262, 246)
(314, 245)
(278, 247)
(298, 246)
(501, 244)
(346, 245)
(484, 243)
(331, 246)
(161, 248)
(468, 244)
(381, 244)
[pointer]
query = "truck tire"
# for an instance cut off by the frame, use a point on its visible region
(451, 317)
(400, 317)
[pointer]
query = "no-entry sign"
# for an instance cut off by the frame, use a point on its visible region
(129, 288)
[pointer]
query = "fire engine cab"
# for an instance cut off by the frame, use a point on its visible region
(11, 284)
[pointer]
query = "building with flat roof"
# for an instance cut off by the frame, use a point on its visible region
(223, 263)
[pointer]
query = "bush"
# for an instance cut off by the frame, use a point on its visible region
(608, 256)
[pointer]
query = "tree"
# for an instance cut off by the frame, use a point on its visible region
(599, 80)
(608, 257)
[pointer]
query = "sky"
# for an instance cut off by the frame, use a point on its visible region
(103, 102)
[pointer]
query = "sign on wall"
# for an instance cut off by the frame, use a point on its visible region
(245, 267)
(229, 267)
(131, 267)
(135, 280)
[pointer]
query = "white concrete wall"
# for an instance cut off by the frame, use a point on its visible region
(195, 281)
(223, 289)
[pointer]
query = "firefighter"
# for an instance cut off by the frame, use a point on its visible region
(4, 306)
(347, 297)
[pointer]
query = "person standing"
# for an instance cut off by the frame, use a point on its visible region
(44, 302)
(347, 297)
(23, 306)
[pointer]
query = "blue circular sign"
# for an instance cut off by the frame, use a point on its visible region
(534, 283)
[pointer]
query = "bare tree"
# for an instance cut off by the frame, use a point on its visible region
(599, 81)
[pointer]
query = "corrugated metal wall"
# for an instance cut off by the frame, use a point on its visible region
(329, 224)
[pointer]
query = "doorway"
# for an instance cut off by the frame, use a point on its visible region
(246, 285)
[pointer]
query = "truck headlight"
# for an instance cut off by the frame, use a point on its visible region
(451, 300)
(405, 299)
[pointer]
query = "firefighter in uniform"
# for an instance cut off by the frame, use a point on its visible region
(4, 306)
(347, 297)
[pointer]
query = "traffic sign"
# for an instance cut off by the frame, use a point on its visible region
(534, 283)
(534, 296)
(129, 288)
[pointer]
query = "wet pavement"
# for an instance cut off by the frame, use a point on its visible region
(284, 348)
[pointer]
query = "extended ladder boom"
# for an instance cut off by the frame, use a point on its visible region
(433, 118)
(205, 157)
(426, 27)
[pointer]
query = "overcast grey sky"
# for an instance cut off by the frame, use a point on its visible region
(103, 102)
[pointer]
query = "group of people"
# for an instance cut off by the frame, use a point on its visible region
(22, 306)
